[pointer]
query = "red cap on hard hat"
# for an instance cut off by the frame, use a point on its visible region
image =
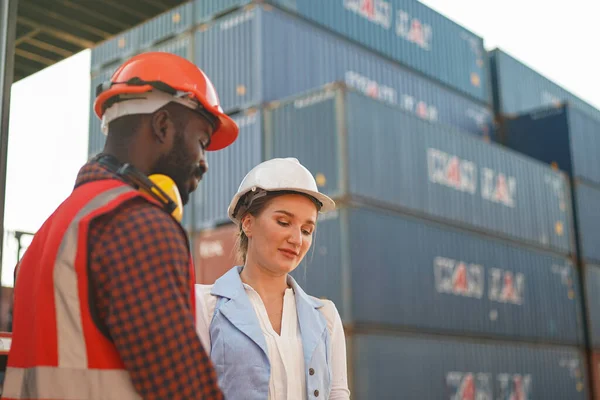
(160, 71)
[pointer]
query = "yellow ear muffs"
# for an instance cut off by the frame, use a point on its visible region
(166, 189)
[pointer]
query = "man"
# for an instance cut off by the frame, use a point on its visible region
(104, 300)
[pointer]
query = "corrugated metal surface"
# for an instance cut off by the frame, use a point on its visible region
(562, 135)
(171, 23)
(226, 169)
(396, 367)
(587, 203)
(323, 272)
(182, 46)
(112, 50)
(277, 55)
(518, 88)
(96, 138)
(214, 253)
(398, 160)
(404, 30)
(418, 275)
(206, 10)
(592, 289)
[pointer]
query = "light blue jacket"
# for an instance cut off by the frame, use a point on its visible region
(239, 349)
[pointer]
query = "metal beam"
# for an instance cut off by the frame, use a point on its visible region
(85, 10)
(136, 12)
(46, 12)
(8, 32)
(34, 57)
(27, 36)
(67, 37)
(49, 47)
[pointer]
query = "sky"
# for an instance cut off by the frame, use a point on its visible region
(50, 110)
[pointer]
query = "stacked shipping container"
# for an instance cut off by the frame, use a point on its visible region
(546, 122)
(437, 232)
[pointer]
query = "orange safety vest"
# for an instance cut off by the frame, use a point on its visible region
(57, 350)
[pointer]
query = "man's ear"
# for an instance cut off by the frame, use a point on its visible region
(161, 125)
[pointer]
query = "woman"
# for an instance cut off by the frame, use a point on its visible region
(267, 338)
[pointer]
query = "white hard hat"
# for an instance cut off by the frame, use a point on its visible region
(278, 174)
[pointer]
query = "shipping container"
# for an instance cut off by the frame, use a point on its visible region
(261, 54)
(405, 31)
(563, 136)
(181, 45)
(166, 25)
(214, 252)
(407, 367)
(587, 210)
(96, 138)
(226, 169)
(391, 270)
(115, 49)
(410, 273)
(358, 147)
(592, 293)
(518, 89)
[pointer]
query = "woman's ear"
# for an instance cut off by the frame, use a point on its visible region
(247, 222)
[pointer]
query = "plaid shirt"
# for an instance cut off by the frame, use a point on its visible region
(139, 280)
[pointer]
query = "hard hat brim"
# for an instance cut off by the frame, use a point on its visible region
(327, 203)
(225, 135)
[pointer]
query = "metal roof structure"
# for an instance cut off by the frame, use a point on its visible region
(49, 31)
(35, 34)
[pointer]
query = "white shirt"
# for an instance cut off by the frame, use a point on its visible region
(286, 356)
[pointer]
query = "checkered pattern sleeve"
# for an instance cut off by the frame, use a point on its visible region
(139, 272)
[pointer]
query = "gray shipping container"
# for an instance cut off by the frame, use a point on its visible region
(361, 148)
(518, 89)
(399, 367)
(262, 54)
(112, 50)
(592, 292)
(405, 31)
(226, 169)
(388, 269)
(96, 138)
(565, 136)
(166, 25)
(587, 209)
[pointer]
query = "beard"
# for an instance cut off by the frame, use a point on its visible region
(180, 166)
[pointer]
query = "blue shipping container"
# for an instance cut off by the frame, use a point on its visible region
(518, 89)
(96, 138)
(166, 25)
(565, 136)
(386, 269)
(396, 367)
(122, 46)
(259, 55)
(361, 148)
(406, 31)
(226, 169)
(592, 289)
(587, 210)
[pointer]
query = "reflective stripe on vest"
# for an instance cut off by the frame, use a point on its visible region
(71, 378)
(68, 384)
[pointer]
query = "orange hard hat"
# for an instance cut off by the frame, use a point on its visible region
(148, 81)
